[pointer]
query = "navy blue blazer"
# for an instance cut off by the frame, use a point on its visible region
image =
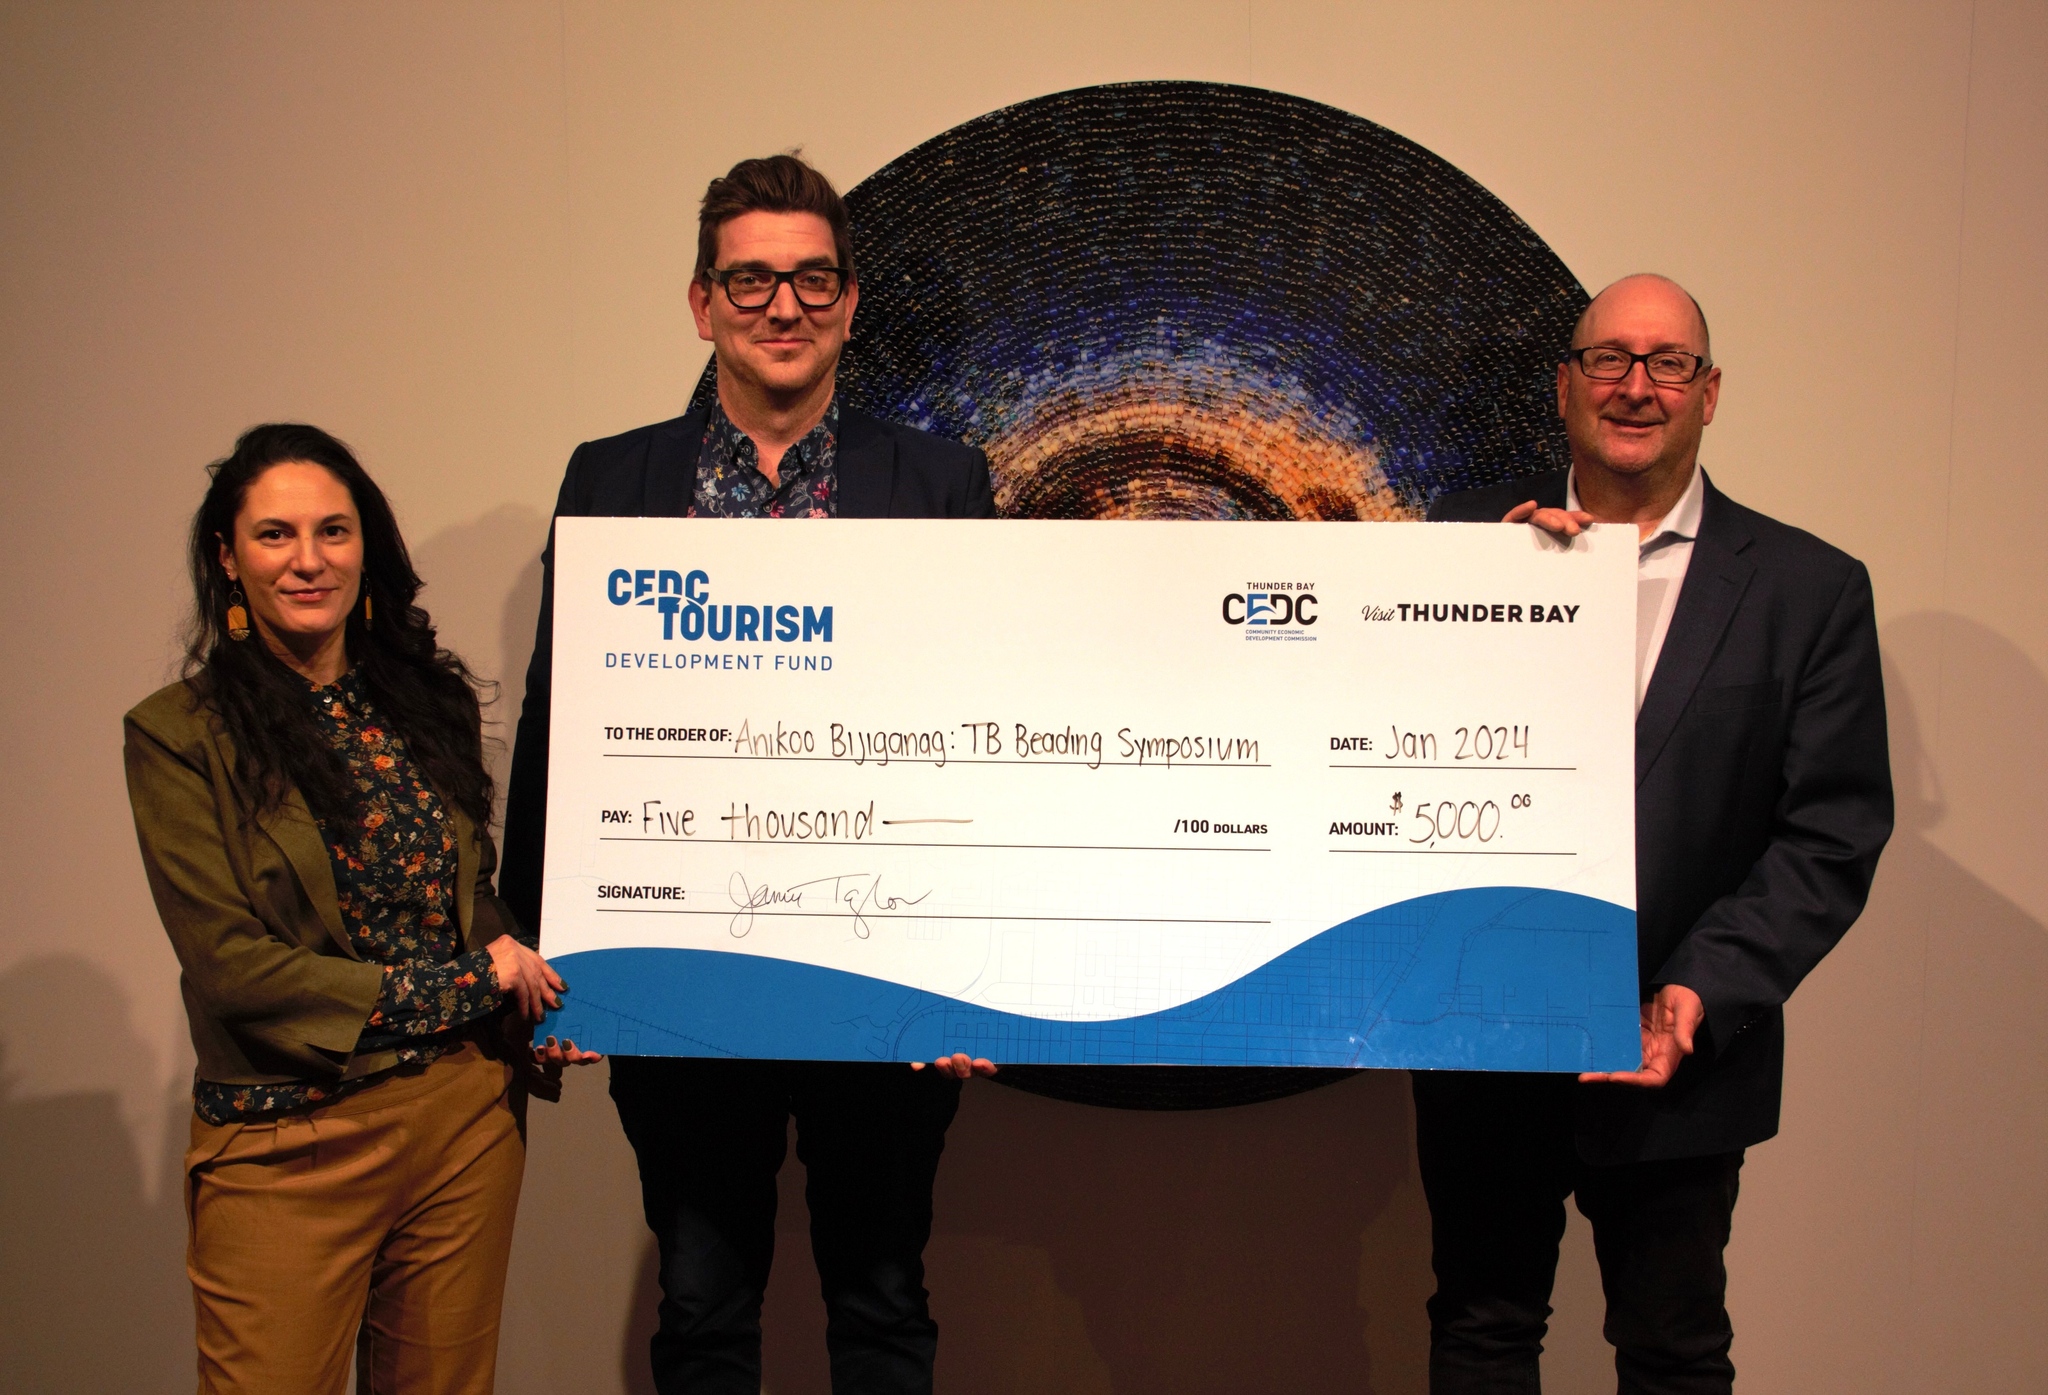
(885, 471)
(1763, 797)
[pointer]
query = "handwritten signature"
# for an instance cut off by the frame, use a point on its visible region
(856, 894)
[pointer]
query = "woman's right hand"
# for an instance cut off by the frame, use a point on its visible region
(525, 978)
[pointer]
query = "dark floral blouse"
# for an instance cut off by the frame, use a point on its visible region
(395, 870)
(730, 483)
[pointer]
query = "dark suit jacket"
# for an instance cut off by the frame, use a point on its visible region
(885, 471)
(1763, 797)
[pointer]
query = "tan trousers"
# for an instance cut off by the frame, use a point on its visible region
(382, 1222)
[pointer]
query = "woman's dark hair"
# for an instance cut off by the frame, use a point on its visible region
(427, 694)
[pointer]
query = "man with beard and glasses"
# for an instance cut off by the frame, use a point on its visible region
(775, 291)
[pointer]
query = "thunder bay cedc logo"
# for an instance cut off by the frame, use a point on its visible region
(684, 602)
(1273, 609)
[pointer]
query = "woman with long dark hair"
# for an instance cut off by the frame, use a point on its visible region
(313, 809)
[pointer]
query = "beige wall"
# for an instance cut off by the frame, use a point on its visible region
(458, 235)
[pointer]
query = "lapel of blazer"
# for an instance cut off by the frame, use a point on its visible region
(669, 478)
(292, 827)
(1715, 581)
(866, 461)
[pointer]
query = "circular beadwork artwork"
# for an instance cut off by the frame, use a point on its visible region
(1196, 300)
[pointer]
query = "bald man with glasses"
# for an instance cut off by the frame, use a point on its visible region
(1763, 797)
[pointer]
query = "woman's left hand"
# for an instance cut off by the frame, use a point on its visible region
(553, 1057)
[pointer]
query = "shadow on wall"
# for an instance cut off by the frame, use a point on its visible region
(1895, 1236)
(483, 590)
(1278, 1246)
(579, 1301)
(1980, 1235)
(93, 1294)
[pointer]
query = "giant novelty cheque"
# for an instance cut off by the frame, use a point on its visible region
(1171, 792)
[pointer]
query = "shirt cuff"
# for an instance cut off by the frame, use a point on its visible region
(422, 1000)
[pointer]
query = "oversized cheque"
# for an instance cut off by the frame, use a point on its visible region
(1256, 793)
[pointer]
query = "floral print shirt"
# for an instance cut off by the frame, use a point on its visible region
(730, 483)
(394, 860)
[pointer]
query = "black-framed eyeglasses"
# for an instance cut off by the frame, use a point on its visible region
(753, 287)
(1604, 363)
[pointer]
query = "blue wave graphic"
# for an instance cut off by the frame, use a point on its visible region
(1488, 978)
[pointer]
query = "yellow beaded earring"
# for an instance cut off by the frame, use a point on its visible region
(366, 606)
(238, 615)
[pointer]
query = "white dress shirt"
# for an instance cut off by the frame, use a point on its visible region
(1661, 560)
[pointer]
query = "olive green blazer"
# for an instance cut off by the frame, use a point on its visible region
(273, 989)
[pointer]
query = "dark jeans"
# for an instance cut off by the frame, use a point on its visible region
(710, 1137)
(1498, 1161)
